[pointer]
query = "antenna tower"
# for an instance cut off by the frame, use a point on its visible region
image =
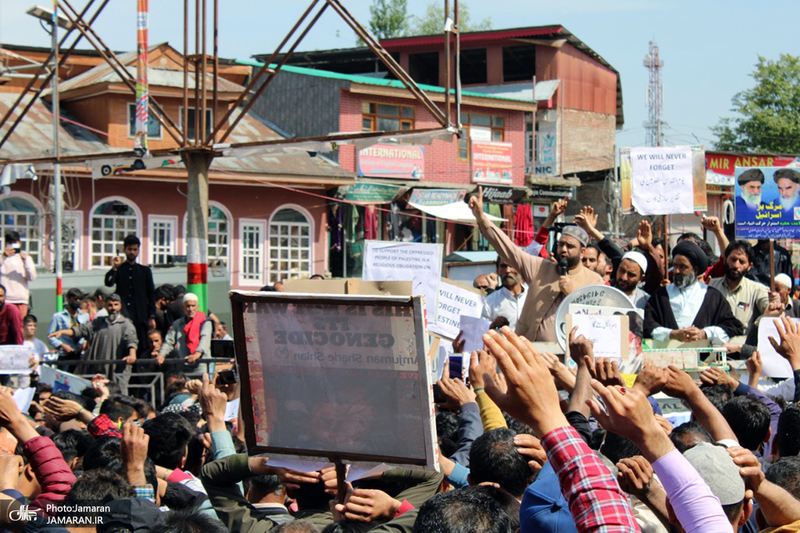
(655, 97)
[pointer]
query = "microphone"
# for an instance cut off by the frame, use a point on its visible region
(562, 266)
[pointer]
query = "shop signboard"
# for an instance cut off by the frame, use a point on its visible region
(399, 161)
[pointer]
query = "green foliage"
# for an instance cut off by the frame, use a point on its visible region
(388, 18)
(769, 113)
(433, 20)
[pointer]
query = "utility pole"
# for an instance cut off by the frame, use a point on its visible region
(198, 163)
(59, 200)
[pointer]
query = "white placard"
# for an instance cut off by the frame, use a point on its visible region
(419, 263)
(605, 331)
(473, 329)
(661, 180)
(775, 366)
(15, 359)
(24, 397)
(232, 410)
(60, 380)
(454, 302)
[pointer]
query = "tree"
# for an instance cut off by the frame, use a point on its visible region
(769, 118)
(388, 18)
(433, 20)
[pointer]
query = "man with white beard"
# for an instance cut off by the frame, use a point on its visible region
(688, 310)
(751, 181)
(787, 180)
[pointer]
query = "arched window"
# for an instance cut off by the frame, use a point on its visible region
(290, 252)
(111, 221)
(21, 215)
(219, 224)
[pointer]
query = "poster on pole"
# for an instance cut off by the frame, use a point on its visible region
(455, 301)
(407, 261)
(767, 202)
(663, 180)
(335, 378)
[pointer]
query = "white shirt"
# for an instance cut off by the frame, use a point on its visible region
(503, 303)
(685, 304)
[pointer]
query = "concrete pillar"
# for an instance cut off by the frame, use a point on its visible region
(197, 162)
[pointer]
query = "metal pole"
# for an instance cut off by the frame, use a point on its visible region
(448, 74)
(59, 200)
(197, 164)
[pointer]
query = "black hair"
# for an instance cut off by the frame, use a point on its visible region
(169, 434)
(268, 288)
(113, 297)
(785, 472)
(12, 236)
(749, 419)
(788, 437)
(494, 457)
(596, 248)
(116, 407)
(86, 403)
(30, 318)
(75, 293)
(681, 434)
(188, 521)
(72, 443)
(101, 486)
(462, 511)
(509, 503)
(178, 291)
(297, 526)
(163, 293)
(742, 246)
(263, 485)
(616, 447)
(106, 454)
(718, 395)
(131, 240)
(153, 331)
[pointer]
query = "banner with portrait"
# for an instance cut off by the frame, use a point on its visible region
(767, 202)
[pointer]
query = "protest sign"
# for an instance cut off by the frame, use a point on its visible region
(339, 378)
(406, 261)
(775, 366)
(473, 329)
(15, 359)
(767, 203)
(60, 380)
(609, 333)
(661, 180)
(455, 300)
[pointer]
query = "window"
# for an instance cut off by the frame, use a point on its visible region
(21, 215)
(251, 264)
(519, 63)
(153, 125)
(71, 232)
(218, 223)
(473, 66)
(190, 126)
(424, 67)
(289, 245)
(479, 128)
(112, 221)
(385, 117)
(163, 231)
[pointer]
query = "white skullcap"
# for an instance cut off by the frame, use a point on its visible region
(784, 280)
(638, 258)
(190, 297)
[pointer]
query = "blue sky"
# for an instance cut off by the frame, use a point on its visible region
(709, 47)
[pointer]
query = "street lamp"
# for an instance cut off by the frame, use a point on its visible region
(55, 20)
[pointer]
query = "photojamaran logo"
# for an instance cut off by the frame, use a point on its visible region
(23, 514)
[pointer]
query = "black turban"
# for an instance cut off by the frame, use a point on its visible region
(696, 256)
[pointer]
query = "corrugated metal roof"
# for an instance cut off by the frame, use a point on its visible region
(33, 137)
(521, 91)
(155, 78)
(371, 80)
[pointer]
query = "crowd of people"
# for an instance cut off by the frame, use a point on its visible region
(525, 444)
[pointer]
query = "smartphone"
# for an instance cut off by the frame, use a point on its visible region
(227, 377)
(456, 366)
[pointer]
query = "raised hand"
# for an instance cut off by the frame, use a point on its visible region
(606, 371)
(644, 236)
(532, 397)
(476, 204)
(651, 380)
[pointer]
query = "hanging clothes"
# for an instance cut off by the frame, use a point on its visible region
(524, 225)
(394, 222)
(336, 226)
(370, 223)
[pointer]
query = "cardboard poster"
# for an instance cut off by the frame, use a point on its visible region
(775, 365)
(768, 205)
(15, 359)
(335, 377)
(609, 333)
(661, 180)
(407, 261)
(60, 380)
(455, 301)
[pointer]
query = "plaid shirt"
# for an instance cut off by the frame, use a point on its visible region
(595, 499)
(102, 426)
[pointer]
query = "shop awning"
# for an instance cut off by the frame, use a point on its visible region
(455, 212)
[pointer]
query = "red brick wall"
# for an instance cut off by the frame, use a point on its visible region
(441, 158)
(588, 142)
